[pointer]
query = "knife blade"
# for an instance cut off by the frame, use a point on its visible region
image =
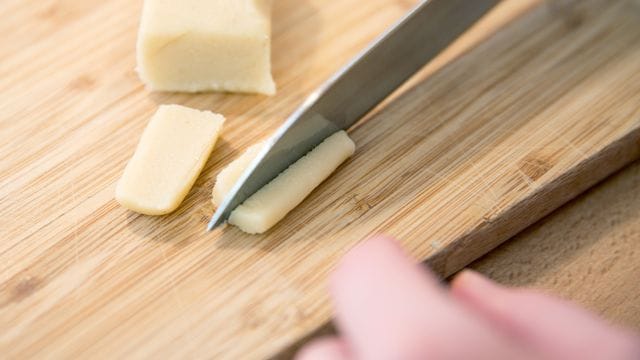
(356, 89)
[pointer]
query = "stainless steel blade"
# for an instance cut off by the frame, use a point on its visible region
(356, 89)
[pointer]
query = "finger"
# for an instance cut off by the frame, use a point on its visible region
(389, 307)
(549, 325)
(324, 349)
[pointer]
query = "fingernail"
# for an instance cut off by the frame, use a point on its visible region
(473, 279)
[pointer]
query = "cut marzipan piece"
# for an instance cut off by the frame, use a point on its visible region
(200, 45)
(172, 151)
(230, 174)
(272, 203)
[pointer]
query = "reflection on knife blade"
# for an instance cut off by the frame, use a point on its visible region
(356, 89)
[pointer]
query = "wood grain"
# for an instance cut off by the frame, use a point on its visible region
(586, 251)
(472, 152)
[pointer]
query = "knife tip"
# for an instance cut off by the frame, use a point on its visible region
(217, 219)
(213, 224)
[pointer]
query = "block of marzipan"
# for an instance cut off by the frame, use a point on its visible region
(170, 155)
(276, 199)
(202, 45)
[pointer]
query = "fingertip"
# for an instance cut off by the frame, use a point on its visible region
(379, 259)
(389, 306)
(378, 244)
(323, 349)
(364, 255)
(469, 282)
(467, 276)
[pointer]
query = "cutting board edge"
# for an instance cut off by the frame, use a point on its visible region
(609, 160)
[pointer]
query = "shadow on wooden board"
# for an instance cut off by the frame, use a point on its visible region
(562, 67)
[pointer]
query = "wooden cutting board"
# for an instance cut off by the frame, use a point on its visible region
(473, 151)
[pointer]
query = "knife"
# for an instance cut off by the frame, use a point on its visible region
(356, 89)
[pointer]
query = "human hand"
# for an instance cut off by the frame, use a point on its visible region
(389, 307)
